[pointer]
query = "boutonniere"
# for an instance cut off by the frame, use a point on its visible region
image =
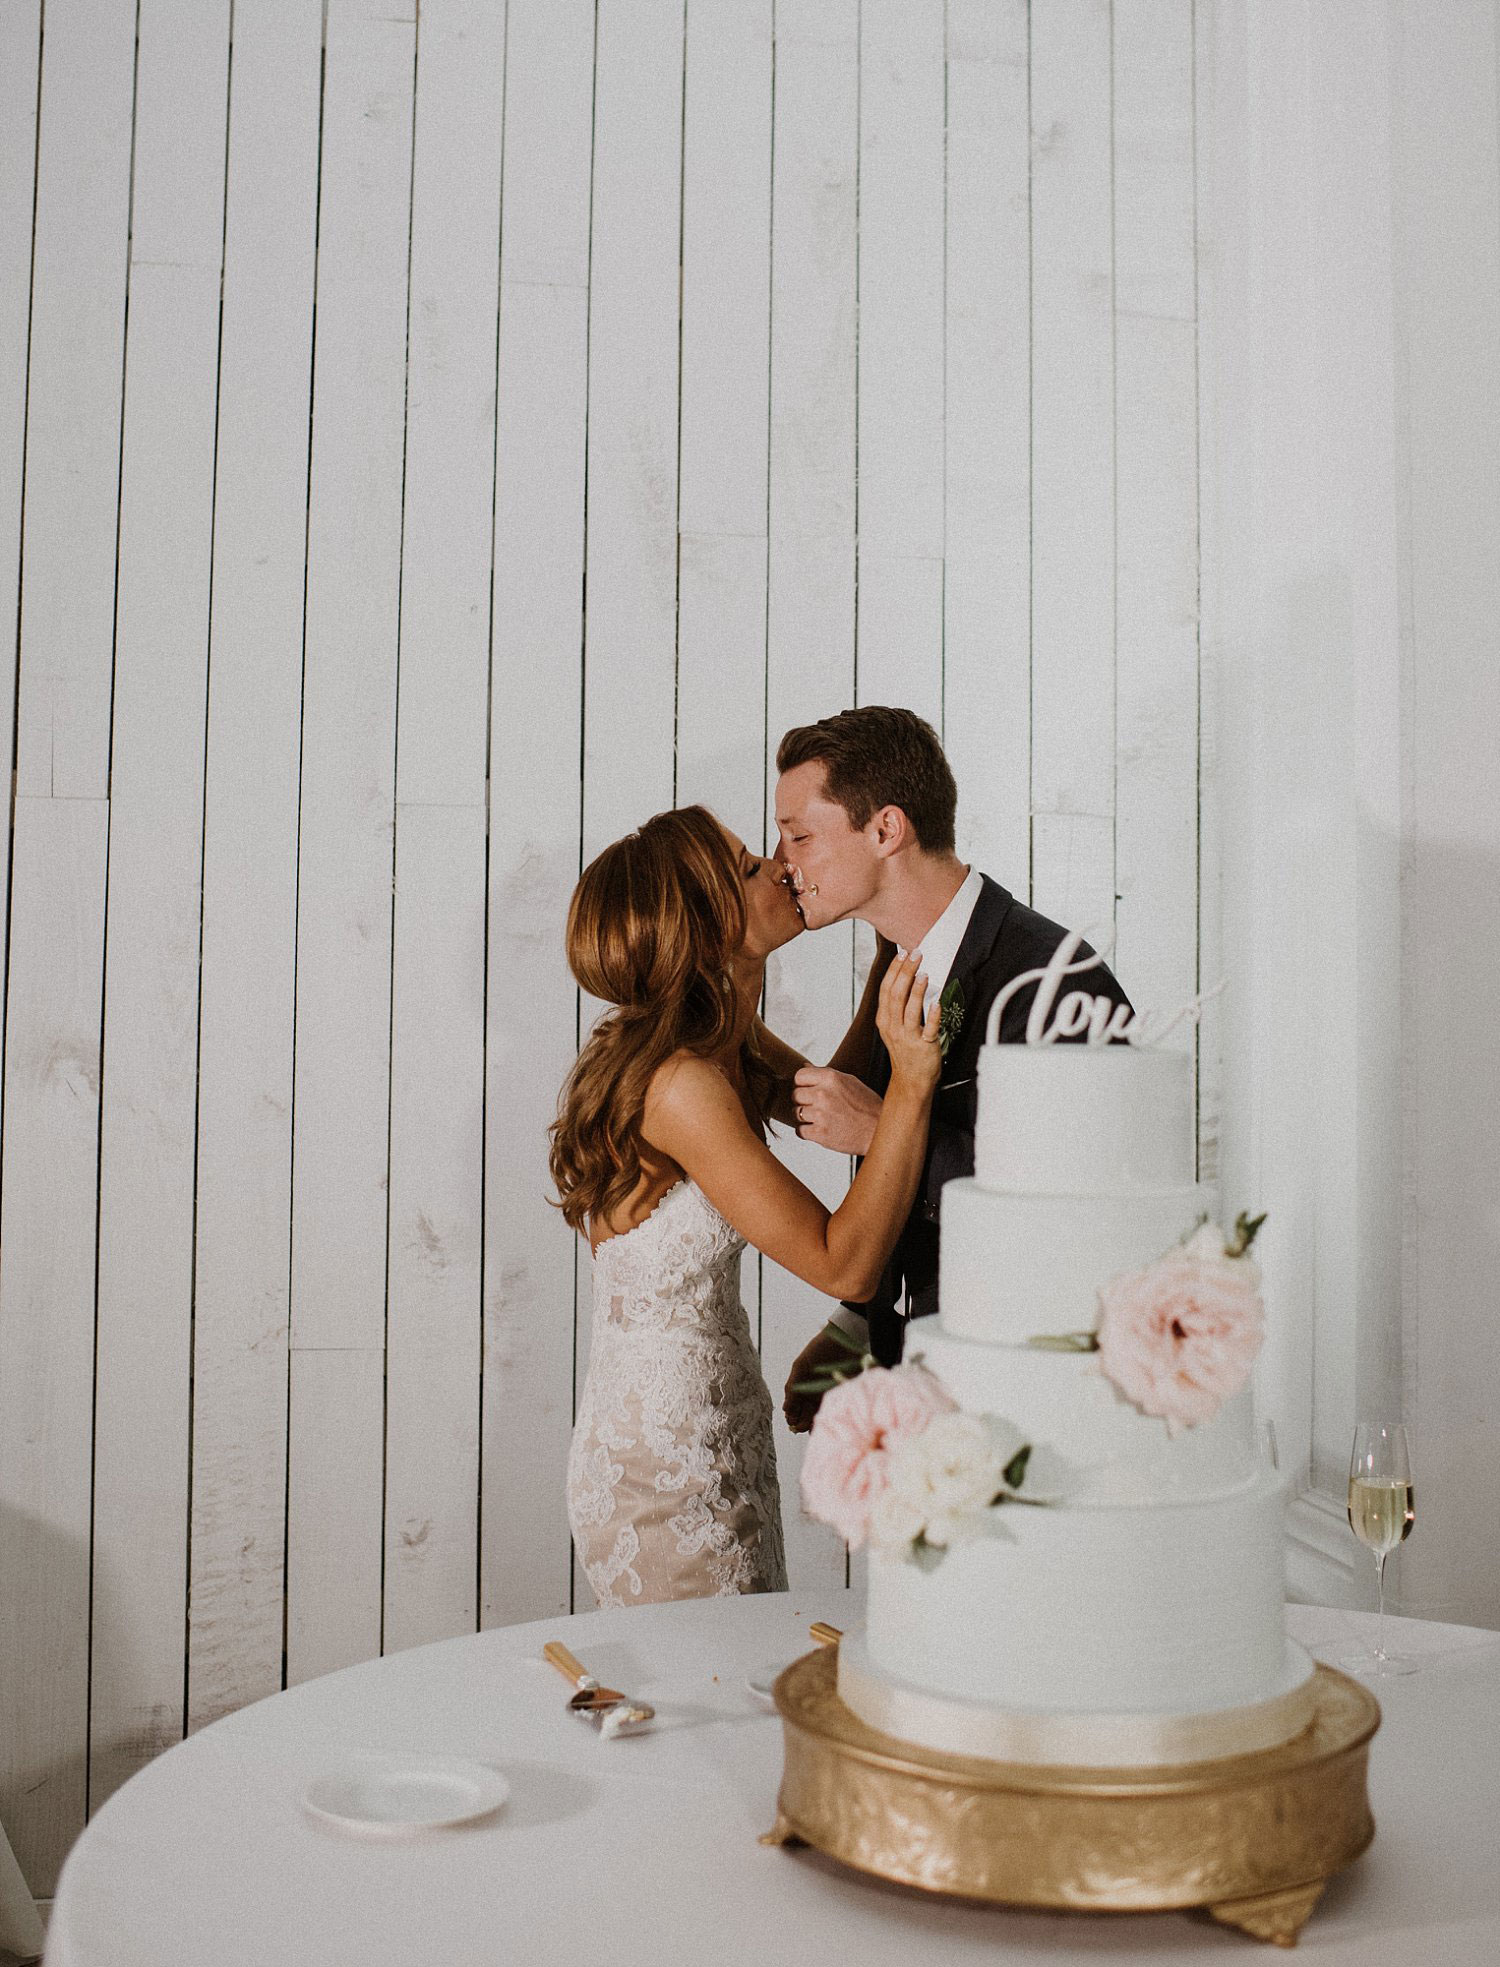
(950, 1014)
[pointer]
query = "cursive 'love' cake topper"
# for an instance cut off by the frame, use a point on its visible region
(1098, 1020)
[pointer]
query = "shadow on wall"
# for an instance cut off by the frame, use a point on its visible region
(1451, 1324)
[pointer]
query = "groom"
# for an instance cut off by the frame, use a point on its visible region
(864, 810)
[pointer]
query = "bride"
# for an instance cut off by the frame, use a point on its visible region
(659, 1156)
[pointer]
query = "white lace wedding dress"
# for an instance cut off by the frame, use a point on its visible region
(672, 1487)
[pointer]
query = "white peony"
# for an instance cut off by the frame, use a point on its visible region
(948, 1475)
(894, 1525)
(945, 1481)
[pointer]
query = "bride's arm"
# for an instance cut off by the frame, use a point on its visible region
(694, 1116)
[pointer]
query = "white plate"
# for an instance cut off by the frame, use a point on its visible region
(395, 1795)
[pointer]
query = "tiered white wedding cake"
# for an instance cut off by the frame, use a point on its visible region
(1132, 1614)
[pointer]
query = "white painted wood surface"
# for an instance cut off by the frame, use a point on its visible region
(599, 391)
(148, 1128)
(810, 636)
(1447, 275)
(531, 1256)
(1352, 396)
(1072, 449)
(987, 435)
(341, 1097)
(49, 1169)
(20, 65)
(433, 1334)
(243, 1224)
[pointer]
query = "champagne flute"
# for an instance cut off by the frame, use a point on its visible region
(1382, 1509)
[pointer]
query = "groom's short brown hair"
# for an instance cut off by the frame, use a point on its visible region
(880, 756)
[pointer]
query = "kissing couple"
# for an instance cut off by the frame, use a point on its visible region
(660, 1154)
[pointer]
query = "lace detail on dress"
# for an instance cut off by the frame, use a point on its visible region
(672, 1488)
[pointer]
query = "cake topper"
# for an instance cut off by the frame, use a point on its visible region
(1097, 1020)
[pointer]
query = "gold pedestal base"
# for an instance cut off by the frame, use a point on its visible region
(1253, 1838)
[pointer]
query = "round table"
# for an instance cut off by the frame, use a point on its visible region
(644, 1852)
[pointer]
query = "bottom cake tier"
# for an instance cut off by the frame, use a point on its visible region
(1101, 1635)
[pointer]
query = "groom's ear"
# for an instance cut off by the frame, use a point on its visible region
(889, 830)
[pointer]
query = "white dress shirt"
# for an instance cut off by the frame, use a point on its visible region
(941, 943)
(939, 948)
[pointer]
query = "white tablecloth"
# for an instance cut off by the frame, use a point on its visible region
(643, 1853)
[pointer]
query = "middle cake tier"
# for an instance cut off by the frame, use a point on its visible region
(1116, 1453)
(1014, 1266)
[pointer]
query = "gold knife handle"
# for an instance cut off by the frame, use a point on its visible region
(825, 1634)
(558, 1655)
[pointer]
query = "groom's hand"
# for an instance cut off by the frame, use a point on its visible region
(801, 1408)
(835, 1109)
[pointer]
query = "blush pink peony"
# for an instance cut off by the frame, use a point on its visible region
(847, 1465)
(1179, 1337)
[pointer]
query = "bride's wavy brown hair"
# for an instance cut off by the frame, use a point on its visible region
(654, 925)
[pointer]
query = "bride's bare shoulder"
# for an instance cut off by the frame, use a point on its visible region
(687, 1091)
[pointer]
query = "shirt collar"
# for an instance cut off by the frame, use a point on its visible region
(940, 944)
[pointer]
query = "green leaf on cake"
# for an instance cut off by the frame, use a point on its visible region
(926, 1556)
(1014, 1472)
(1065, 1342)
(1246, 1229)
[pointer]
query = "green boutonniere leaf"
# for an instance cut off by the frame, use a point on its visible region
(950, 1014)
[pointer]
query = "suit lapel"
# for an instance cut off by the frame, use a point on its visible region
(973, 952)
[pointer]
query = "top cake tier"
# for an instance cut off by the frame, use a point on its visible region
(1083, 1119)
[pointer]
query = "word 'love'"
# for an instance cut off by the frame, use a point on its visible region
(1098, 1020)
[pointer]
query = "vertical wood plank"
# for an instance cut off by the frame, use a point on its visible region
(987, 437)
(1156, 438)
(726, 297)
(437, 1039)
(450, 437)
(48, 1224)
(726, 260)
(630, 696)
(810, 636)
(337, 1396)
(20, 61)
(77, 333)
(243, 1251)
(535, 739)
(341, 1125)
(437, 1127)
(630, 708)
(1073, 724)
(148, 1100)
(49, 1178)
(901, 143)
(1209, 70)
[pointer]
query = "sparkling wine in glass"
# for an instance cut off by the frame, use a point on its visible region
(1382, 1510)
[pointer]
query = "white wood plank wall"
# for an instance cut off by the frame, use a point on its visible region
(429, 443)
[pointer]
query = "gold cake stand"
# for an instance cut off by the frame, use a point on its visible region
(1253, 1838)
